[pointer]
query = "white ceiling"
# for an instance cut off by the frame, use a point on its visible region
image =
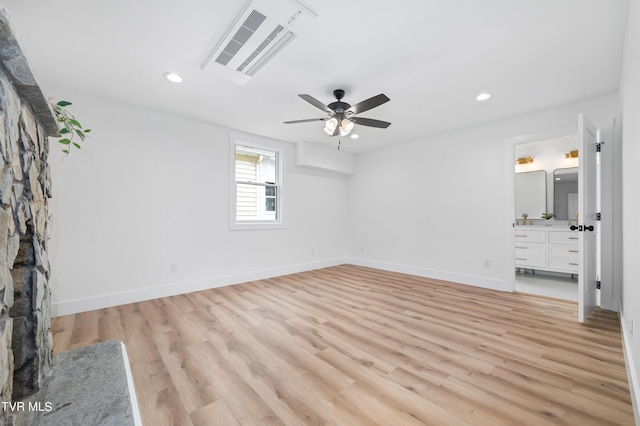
(431, 57)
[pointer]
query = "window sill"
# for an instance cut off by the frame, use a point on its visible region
(256, 225)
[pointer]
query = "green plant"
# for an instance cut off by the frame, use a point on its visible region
(548, 216)
(71, 127)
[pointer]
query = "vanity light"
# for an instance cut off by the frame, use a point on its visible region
(524, 164)
(173, 77)
(483, 96)
(524, 160)
(571, 157)
(571, 154)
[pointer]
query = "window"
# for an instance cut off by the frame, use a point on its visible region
(256, 191)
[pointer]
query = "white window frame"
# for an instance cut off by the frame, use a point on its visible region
(249, 141)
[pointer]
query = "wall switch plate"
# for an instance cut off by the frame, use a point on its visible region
(173, 268)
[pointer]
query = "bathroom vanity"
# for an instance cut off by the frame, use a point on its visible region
(547, 248)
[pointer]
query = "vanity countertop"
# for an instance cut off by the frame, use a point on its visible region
(555, 226)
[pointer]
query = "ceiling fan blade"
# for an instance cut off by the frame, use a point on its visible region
(316, 103)
(370, 122)
(366, 105)
(308, 120)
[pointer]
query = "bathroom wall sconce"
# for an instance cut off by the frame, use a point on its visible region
(524, 164)
(571, 158)
(571, 154)
(524, 160)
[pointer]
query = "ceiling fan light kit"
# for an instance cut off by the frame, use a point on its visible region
(346, 126)
(341, 116)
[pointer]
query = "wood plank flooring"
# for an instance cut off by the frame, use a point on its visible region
(356, 346)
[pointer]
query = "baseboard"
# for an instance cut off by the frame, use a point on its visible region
(75, 306)
(488, 283)
(632, 376)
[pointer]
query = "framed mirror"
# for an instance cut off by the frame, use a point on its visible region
(565, 193)
(531, 194)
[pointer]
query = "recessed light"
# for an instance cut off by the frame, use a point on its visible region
(355, 136)
(483, 96)
(173, 77)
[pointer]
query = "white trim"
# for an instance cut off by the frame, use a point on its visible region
(265, 144)
(135, 410)
(632, 376)
(74, 306)
(472, 280)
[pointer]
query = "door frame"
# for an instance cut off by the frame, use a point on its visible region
(510, 189)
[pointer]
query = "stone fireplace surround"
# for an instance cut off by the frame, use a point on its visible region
(26, 121)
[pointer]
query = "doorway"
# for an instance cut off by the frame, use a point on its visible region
(546, 183)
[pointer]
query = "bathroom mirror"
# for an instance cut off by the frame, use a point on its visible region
(565, 193)
(531, 194)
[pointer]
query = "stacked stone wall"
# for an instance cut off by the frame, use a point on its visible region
(26, 122)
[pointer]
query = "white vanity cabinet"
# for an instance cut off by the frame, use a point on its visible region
(531, 248)
(563, 251)
(546, 248)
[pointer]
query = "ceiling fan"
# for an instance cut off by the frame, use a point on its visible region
(341, 120)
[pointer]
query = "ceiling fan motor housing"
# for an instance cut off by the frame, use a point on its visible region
(339, 107)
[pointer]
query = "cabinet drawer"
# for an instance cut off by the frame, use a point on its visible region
(531, 254)
(564, 264)
(563, 237)
(563, 250)
(531, 236)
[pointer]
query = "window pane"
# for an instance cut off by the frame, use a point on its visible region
(270, 198)
(255, 165)
(255, 202)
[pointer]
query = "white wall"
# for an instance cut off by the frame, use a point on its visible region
(630, 101)
(150, 189)
(436, 206)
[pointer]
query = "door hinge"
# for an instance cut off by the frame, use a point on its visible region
(598, 216)
(599, 146)
(597, 284)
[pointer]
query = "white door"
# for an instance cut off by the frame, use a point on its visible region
(587, 210)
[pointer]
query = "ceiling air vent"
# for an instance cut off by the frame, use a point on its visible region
(263, 28)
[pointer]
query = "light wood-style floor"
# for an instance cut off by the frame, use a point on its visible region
(355, 346)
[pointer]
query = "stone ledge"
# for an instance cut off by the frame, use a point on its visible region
(87, 386)
(17, 67)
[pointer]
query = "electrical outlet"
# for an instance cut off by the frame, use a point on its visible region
(173, 268)
(486, 263)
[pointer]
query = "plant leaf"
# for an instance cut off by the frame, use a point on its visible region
(77, 145)
(63, 131)
(75, 123)
(64, 103)
(87, 130)
(65, 141)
